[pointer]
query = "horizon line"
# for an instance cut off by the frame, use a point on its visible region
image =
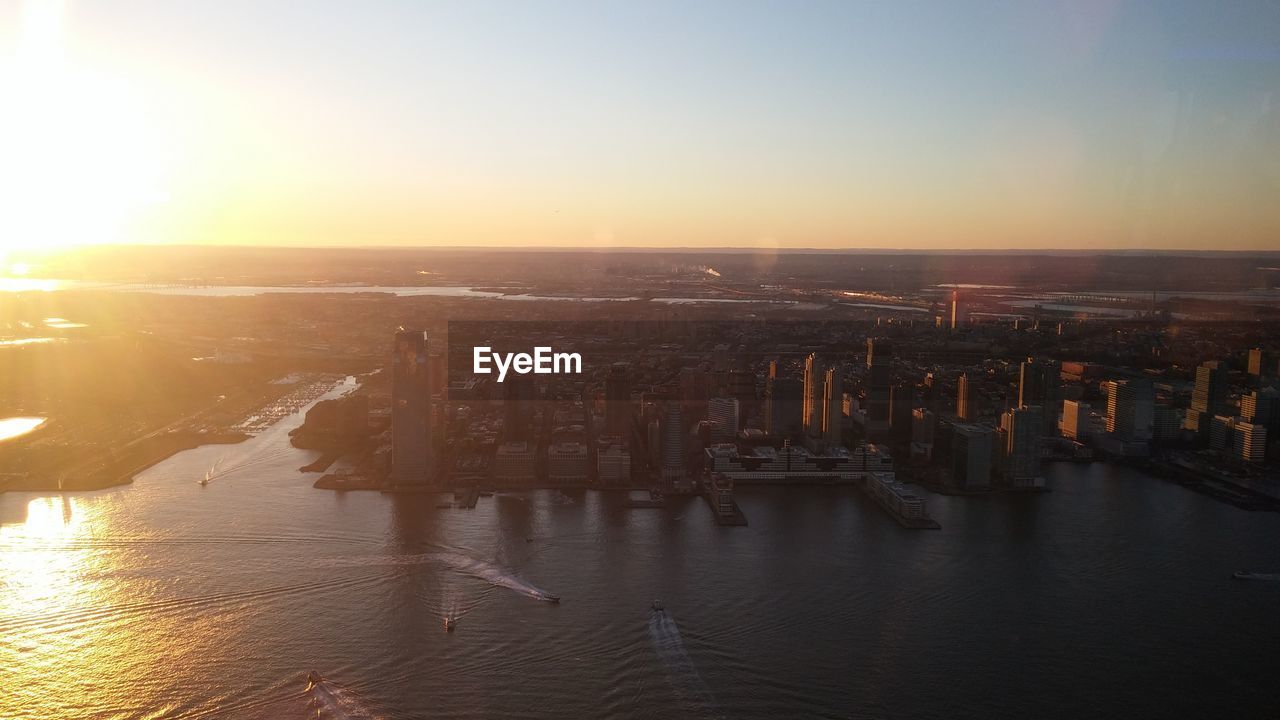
(661, 249)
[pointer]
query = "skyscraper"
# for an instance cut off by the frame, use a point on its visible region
(1261, 363)
(971, 455)
(723, 412)
(1131, 409)
(613, 465)
(1022, 427)
(1209, 396)
(1075, 419)
(517, 406)
(673, 460)
(879, 368)
(964, 408)
(784, 403)
(923, 425)
(959, 313)
(832, 410)
(1250, 442)
(1166, 423)
(1263, 408)
(411, 410)
(617, 401)
(1038, 384)
(814, 373)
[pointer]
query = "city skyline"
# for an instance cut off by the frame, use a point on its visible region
(917, 126)
(737, 359)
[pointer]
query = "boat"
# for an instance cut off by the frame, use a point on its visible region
(450, 624)
(548, 597)
(657, 606)
(313, 679)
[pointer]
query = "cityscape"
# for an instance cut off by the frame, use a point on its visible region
(711, 394)
(421, 359)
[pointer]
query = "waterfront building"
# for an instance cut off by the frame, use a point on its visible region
(971, 450)
(878, 389)
(567, 463)
(1039, 384)
(832, 401)
(1209, 397)
(518, 395)
(613, 463)
(1075, 419)
(1220, 430)
(885, 487)
(410, 410)
(811, 412)
(721, 489)
(1262, 408)
(794, 464)
(674, 472)
(1131, 409)
(617, 401)
(1250, 442)
(515, 465)
(784, 403)
(1166, 425)
(723, 413)
(1021, 432)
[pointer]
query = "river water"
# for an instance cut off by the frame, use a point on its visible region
(1110, 596)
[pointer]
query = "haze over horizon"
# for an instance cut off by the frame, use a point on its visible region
(913, 126)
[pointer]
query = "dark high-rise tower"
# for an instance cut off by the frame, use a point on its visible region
(964, 403)
(617, 401)
(518, 394)
(784, 405)
(410, 410)
(673, 457)
(1039, 386)
(1037, 379)
(832, 405)
(879, 367)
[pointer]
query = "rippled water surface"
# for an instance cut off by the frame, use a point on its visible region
(1111, 595)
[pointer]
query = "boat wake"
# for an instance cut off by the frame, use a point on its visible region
(331, 700)
(493, 574)
(249, 462)
(683, 676)
(1257, 576)
(455, 560)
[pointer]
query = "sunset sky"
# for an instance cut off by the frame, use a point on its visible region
(1073, 124)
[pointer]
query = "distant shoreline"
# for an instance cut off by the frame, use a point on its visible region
(170, 445)
(690, 249)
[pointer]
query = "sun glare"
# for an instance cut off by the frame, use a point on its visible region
(78, 161)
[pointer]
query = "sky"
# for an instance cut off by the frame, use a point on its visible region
(800, 124)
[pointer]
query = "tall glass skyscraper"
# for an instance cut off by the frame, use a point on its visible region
(410, 410)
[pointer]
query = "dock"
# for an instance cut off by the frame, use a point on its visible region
(655, 499)
(733, 519)
(901, 504)
(467, 498)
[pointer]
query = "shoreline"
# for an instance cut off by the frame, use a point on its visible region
(124, 470)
